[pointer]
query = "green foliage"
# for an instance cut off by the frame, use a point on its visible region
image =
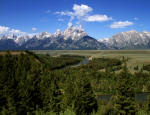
(142, 81)
(142, 112)
(85, 102)
(108, 109)
(125, 95)
(146, 67)
(101, 63)
(33, 84)
(61, 62)
(78, 94)
(50, 93)
(68, 111)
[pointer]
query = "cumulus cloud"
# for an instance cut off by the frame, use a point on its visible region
(34, 29)
(81, 10)
(78, 10)
(121, 24)
(97, 18)
(15, 31)
(6, 30)
(3, 29)
(83, 13)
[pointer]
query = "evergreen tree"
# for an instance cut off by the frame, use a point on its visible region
(69, 90)
(51, 94)
(85, 102)
(125, 95)
(7, 82)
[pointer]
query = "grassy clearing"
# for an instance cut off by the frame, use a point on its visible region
(136, 57)
(11, 52)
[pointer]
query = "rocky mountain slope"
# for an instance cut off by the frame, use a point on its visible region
(72, 38)
(128, 40)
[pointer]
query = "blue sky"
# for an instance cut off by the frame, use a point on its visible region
(99, 18)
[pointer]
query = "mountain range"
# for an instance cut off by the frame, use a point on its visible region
(128, 40)
(74, 38)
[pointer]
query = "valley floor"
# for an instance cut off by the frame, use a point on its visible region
(135, 57)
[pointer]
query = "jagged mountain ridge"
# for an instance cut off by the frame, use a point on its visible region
(72, 38)
(128, 40)
(75, 38)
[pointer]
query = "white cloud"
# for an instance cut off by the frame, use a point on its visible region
(78, 10)
(97, 18)
(81, 10)
(6, 30)
(121, 24)
(34, 29)
(65, 13)
(3, 29)
(82, 13)
(15, 31)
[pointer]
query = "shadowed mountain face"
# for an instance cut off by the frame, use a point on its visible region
(72, 38)
(75, 38)
(8, 44)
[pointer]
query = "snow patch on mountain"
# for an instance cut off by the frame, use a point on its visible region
(74, 33)
(128, 40)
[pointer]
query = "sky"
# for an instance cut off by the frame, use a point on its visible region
(99, 18)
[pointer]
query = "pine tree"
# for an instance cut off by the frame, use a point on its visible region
(69, 93)
(85, 102)
(51, 94)
(125, 95)
(7, 82)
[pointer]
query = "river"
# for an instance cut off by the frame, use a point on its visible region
(139, 97)
(84, 61)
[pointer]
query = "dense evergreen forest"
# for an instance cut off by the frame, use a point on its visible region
(32, 84)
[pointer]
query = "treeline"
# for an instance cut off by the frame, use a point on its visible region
(33, 84)
(103, 63)
(54, 63)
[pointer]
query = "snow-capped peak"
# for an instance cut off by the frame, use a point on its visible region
(70, 24)
(144, 31)
(22, 39)
(74, 32)
(104, 40)
(132, 31)
(129, 40)
(12, 36)
(58, 33)
(43, 35)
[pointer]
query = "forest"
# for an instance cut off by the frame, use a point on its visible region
(38, 84)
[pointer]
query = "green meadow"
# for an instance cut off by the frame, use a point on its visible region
(135, 57)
